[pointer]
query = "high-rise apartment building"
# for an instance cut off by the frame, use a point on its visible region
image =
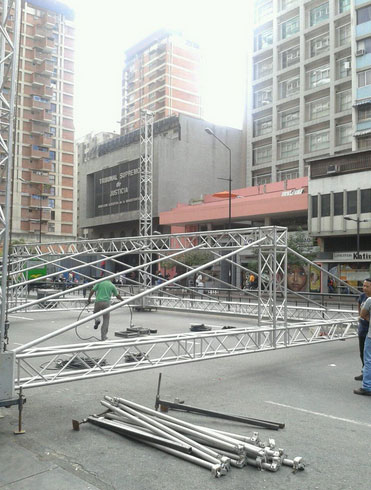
(43, 182)
(162, 75)
(310, 92)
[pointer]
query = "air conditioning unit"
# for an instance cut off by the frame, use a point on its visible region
(332, 169)
(360, 52)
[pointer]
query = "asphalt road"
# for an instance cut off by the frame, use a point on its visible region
(309, 388)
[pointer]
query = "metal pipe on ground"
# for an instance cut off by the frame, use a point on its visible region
(187, 428)
(137, 434)
(164, 431)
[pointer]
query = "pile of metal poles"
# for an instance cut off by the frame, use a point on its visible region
(210, 448)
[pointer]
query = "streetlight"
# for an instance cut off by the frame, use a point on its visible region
(211, 132)
(358, 221)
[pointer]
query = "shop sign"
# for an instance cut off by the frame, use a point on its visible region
(292, 192)
(351, 256)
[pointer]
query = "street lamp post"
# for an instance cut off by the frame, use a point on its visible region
(358, 221)
(211, 132)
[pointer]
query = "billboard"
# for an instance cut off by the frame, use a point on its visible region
(113, 190)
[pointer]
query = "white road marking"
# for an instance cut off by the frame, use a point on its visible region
(351, 421)
(21, 317)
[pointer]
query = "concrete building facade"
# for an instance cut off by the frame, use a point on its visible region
(339, 213)
(43, 183)
(187, 163)
(311, 85)
(162, 75)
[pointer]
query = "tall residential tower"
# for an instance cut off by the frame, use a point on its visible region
(162, 75)
(311, 85)
(43, 178)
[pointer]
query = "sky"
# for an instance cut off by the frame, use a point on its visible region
(105, 29)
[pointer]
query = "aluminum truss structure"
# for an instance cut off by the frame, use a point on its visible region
(280, 324)
(9, 54)
(145, 188)
(101, 359)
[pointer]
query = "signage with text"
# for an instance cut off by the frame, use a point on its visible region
(115, 189)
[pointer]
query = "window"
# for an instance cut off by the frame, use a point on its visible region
(319, 14)
(262, 154)
(344, 134)
(288, 148)
(366, 201)
(319, 45)
(52, 191)
(364, 143)
(364, 45)
(290, 27)
(263, 97)
(343, 100)
(364, 78)
(290, 57)
(51, 227)
(52, 215)
(263, 9)
(344, 6)
(325, 205)
(264, 39)
(51, 179)
(314, 206)
(343, 35)
(263, 126)
(288, 3)
(319, 140)
(52, 130)
(289, 118)
(364, 112)
(52, 155)
(263, 68)
(51, 203)
(318, 108)
(287, 174)
(53, 107)
(343, 68)
(262, 179)
(364, 15)
(338, 204)
(319, 76)
(289, 87)
(351, 202)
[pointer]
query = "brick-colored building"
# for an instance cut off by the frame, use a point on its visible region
(162, 75)
(43, 184)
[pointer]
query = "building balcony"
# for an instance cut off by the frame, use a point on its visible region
(35, 226)
(45, 68)
(38, 152)
(37, 128)
(40, 105)
(40, 55)
(48, 21)
(34, 213)
(41, 116)
(39, 178)
(43, 164)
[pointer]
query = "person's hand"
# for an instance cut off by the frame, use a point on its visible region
(88, 300)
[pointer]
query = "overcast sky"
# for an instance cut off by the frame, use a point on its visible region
(104, 30)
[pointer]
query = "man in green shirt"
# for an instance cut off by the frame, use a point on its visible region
(103, 292)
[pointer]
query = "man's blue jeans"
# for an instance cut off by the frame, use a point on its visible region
(366, 385)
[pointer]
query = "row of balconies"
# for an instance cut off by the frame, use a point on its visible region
(41, 115)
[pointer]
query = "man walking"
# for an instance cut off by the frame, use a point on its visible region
(363, 324)
(366, 384)
(103, 292)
